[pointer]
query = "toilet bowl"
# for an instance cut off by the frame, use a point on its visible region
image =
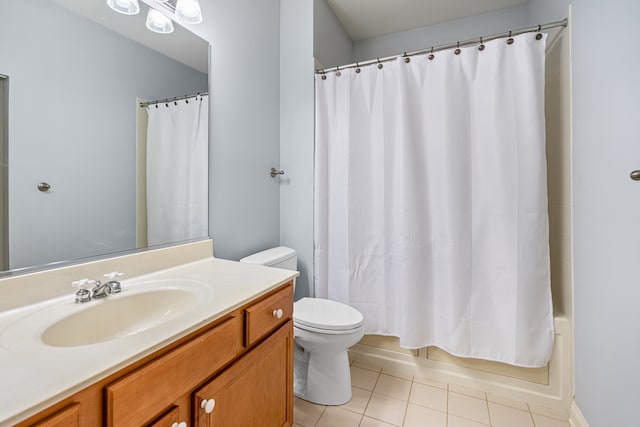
(323, 332)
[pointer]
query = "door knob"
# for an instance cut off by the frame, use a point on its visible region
(44, 187)
(635, 175)
(278, 313)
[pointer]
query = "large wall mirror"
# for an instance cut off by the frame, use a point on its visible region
(72, 74)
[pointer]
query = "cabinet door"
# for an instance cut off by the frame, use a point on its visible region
(171, 418)
(256, 391)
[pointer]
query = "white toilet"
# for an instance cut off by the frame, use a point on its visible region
(323, 330)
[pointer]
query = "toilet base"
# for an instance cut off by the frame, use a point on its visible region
(328, 377)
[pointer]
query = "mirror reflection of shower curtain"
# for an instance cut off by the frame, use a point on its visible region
(177, 177)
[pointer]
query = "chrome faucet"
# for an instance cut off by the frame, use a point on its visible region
(100, 290)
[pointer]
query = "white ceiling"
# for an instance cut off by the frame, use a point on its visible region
(181, 45)
(363, 19)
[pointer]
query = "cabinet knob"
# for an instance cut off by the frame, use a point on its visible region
(182, 424)
(278, 313)
(208, 405)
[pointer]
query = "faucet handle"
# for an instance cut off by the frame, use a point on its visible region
(115, 284)
(82, 295)
(80, 284)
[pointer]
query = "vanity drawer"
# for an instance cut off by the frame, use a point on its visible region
(145, 393)
(268, 314)
(67, 417)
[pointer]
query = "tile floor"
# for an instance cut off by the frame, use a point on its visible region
(383, 398)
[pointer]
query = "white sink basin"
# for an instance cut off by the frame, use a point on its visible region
(119, 317)
(139, 308)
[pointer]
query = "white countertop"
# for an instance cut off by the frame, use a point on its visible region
(34, 375)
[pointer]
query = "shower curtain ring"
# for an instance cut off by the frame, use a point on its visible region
(431, 55)
(338, 73)
(357, 68)
(457, 51)
(481, 47)
(539, 35)
(406, 58)
(324, 76)
(510, 40)
(379, 64)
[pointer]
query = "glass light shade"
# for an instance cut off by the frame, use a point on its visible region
(158, 23)
(189, 11)
(126, 7)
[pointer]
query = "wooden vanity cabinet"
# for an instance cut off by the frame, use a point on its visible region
(243, 361)
(255, 391)
(146, 392)
(67, 417)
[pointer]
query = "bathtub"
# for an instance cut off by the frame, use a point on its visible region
(549, 387)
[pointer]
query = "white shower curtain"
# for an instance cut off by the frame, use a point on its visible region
(177, 171)
(431, 204)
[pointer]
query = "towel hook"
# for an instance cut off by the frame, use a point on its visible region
(273, 172)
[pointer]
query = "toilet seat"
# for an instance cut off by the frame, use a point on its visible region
(326, 316)
(328, 331)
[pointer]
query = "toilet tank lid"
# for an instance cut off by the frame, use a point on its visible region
(270, 256)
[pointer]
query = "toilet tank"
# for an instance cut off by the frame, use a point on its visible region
(280, 257)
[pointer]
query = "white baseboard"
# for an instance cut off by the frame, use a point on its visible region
(576, 419)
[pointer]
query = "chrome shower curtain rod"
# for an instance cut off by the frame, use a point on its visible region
(174, 99)
(477, 40)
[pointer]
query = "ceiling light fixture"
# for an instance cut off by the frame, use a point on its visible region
(185, 11)
(126, 7)
(189, 11)
(158, 23)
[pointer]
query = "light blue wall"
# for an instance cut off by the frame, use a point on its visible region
(297, 135)
(445, 33)
(605, 117)
(543, 11)
(244, 83)
(332, 46)
(606, 133)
